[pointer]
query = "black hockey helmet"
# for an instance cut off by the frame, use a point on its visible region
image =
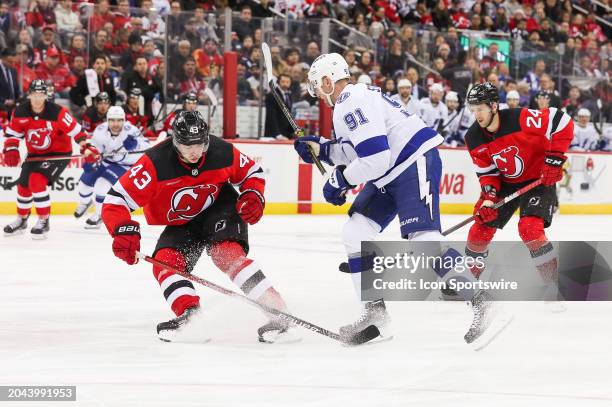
(135, 93)
(102, 97)
(189, 128)
(37, 85)
(190, 97)
(483, 93)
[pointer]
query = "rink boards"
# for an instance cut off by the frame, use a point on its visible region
(295, 187)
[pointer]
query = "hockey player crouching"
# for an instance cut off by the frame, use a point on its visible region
(187, 183)
(114, 139)
(512, 148)
(48, 130)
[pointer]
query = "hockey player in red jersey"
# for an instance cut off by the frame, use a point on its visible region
(96, 114)
(187, 183)
(134, 113)
(190, 103)
(48, 130)
(511, 148)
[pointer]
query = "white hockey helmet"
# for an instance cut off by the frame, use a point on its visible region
(513, 95)
(331, 65)
(584, 112)
(404, 83)
(452, 96)
(115, 112)
(363, 78)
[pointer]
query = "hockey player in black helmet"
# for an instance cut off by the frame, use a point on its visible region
(190, 136)
(484, 94)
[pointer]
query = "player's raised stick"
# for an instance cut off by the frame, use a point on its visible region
(265, 49)
(365, 336)
(504, 201)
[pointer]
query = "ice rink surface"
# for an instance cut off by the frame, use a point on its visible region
(73, 314)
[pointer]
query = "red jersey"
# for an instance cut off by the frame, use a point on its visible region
(515, 153)
(48, 132)
(168, 122)
(91, 120)
(173, 192)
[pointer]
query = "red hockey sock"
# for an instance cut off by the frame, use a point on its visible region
(231, 258)
(42, 201)
(178, 291)
(24, 201)
(479, 237)
(543, 254)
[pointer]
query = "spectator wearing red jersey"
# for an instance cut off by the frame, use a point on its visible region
(122, 15)
(207, 56)
(102, 14)
(40, 13)
(191, 81)
(52, 70)
(47, 41)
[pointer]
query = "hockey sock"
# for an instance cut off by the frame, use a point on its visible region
(85, 192)
(101, 188)
(479, 237)
(24, 201)
(42, 201)
(230, 258)
(178, 291)
(543, 253)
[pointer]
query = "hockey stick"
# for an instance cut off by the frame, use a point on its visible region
(265, 49)
(504, 201)
(365, 336)
(70, 157)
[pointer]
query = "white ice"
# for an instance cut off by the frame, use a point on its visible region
(72, 314)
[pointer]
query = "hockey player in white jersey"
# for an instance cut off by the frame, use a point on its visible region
(392, 152)
(586, 137)
(405, 99)
(115, 139)
(435, 111)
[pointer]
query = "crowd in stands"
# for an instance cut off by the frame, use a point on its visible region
(424, 47)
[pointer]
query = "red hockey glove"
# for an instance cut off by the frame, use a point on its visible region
(250, 206)
(553, 168)
(483, 209)
(90, 153)
(11, 152)
(126, 241)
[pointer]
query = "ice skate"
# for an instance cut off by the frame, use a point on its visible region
(40, 229)
(94, 222)
(183, 328)
(488, 322)
(278, 330)
(81, 209)
(372, 326)
(17, 227)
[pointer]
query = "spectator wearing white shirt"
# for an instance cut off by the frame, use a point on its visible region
(586, 137)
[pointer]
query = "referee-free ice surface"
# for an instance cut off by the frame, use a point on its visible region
(73, 314)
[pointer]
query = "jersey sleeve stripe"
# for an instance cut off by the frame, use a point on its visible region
(76, 130)
(121, 192)
(485, 169)
(115, 199)
(560, 122)
(551, 114)
(371, 146)
(492, 173)
(12, 133)
(252, 173)
(419, 138)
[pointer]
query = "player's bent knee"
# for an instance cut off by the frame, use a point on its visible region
(37, 182)
(358, 229)
(531, 228)
(171, 257)
(479, 236)
(224, 254)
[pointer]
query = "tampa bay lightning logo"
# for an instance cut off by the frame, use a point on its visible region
(343, 97)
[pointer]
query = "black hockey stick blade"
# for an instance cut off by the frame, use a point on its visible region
(364, 336)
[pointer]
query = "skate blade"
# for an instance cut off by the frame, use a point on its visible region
(283, 338)
(370, 336)
(15, 233)
(92, 227)
(499, 324)
(40, 237)
(183, 336)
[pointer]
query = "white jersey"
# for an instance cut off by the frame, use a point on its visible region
(585, 138)
(413, 106)
(106, 143)
(434, 116)
(375, 138)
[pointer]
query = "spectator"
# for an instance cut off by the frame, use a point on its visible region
(138, 77)
(100, 46)
(573, 103)
(244, 26)
(183, 51)
(25, 38)
(299, 91)
(587, 68)
(461, 75)
(9, 85)
(312, 52)
(174, 25)
(122, 15)
(366, 62)
(78, 48)
(436, 76)
(191, 81)
(278, 64)
(204, 28)
(135, 51)
(68, 22)
(586, 137)
(533, 76)
(92, 82)
(513, 99)
(388, 87)
(360, 41)
(548, 86)
(40, 13)
(440, 16)
(96, 114)
(24, 72)
(418, 92)
(191, 34)
(5, 18)
(51, 70)
(102, 15)
(46, 42)
(394, 60)
(489, 61)
(245, 93)
(292, 57)
(405, 99)
(276, 124)
(207, 56)
(263, 9)
(77, 66)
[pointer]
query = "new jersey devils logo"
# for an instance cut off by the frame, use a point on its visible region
(509, 162)
(40, 139)
(189, 202)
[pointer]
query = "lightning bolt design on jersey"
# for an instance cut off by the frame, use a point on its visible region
(424, 185)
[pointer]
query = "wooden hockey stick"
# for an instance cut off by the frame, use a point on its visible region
(504, 201)
(265, 49)
(365, 336)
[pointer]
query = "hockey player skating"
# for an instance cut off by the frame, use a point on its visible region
(190, 103)
(114, 139)
(96, 114)
(48, 130)
(187, 183)
(511, 148)
(393, 152)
